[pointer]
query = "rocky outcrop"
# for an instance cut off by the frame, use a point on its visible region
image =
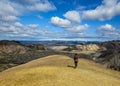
(89, 47)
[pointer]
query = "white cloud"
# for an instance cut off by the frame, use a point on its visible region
(6, 7)
(18, 24)
(40, 5)
(11, 9)
(36, 5)
(7, 28)
(7, 11)
(68, 26)
(73, 16)
(8, 18)
(19, 31)
(33, 25)
(60, 22)
(108, 30)
(107, 10)
(79, 28)
(106, 27)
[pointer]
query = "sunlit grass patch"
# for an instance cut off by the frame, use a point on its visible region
(54, 71)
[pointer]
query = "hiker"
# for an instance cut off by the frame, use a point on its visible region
(76, 60)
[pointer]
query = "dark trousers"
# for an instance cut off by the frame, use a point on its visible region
(76, 63)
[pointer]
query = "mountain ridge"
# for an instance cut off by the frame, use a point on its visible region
(58, 70)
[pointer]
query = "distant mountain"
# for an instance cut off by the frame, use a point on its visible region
(66, 43)
(16, 46)
(12, 47)
(110, 44)
(80, 47)
(36, 46)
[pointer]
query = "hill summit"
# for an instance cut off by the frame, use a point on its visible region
(58, 70)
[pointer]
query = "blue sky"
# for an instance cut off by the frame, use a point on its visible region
(84, 20)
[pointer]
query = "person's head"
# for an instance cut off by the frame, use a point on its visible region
(76, 54)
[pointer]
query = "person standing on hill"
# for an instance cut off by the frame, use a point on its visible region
(76, 60)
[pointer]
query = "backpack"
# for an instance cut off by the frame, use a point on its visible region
(76, 59)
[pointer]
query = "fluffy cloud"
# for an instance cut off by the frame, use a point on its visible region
(44, 6)
(33, 25)
(108, 30)
(18, 31)
(8, 18)
(73, 16)
(7, 11)
(18, 24)
(106, 27)
(60, 22)
(79, 28)
(7, 7)
(107, 10)
(36, 5)
(11, 9)
(68, 26)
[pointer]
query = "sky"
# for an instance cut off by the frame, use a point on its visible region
(82, 20)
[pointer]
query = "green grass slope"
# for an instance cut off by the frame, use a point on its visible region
(57, 70)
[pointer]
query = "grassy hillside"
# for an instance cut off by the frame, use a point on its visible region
(57, 70)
